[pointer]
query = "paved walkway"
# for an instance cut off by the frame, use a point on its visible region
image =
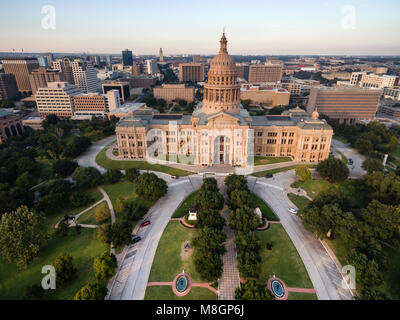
(199, 285)
(230, 279)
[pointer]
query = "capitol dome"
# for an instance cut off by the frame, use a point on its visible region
(222, 91)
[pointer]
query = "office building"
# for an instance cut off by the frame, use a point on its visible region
(173, 92)
(127, 58)
(65, 67)
(151, 67)
(266, 97)
(346, 104)
(96, 104)
(193, 72)
(21, 68)
(41, 77)
(57, 98)
(122, 87)
(85, 76)
(265, 73)
(8, 86)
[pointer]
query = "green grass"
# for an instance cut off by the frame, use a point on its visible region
(259, 161)
(105, 162)
(314, 187)
(302, 296)
(340, 250)
(90, 217)
(299, 201)
(265, 209)
(83, 248)
(168, 262)
(94, 194)
(185, 206)
(283, 260)
(124, 190)
(340, 138)
(396, 154)
(165, 293)
(262, 174)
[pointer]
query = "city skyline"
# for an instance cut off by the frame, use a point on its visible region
(256, 28)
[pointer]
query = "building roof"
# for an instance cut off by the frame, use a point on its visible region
(4, 113)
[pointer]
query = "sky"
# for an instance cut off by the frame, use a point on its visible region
(253, 27)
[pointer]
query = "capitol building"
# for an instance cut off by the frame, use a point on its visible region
(221, 131)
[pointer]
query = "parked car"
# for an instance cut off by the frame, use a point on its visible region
(269, 175)
(136, 239)
(293, 210)
(145, 224)
(351, 162)
(175, 177)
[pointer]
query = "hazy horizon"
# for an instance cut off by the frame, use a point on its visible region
(181, 27)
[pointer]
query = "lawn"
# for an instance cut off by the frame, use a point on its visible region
(89, 217)
(83, 248)
(165, 293)
(302, 296)
(396, 154)
(265, 209)
(94, 194)
(314, 187)
(185, 206)
(299, 201)
(259, 161)
(170, 258)
(262, 174)
(283, 260)
(126, 191)
(105, 162)
(343, 157)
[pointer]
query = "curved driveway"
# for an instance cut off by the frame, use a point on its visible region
(356, 171)
(324, 274)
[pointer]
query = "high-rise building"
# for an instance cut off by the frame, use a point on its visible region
(65, 66)
(151, 67)
(191, 72)
(41, 77)
(161, 55)
(346, 104)
(136, 70)
(21, 69)
(85, 76)
(8, 86)
(57, 98)
(127, 58)
(265, 73)
(50, 57)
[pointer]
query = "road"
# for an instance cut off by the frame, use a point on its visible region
(131, 280)
(324, 274)
(356, 171)
(88, 158)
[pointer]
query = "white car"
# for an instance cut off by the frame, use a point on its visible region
(293, 210)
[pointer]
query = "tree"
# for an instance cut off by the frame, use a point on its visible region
(87, 177)
(78, 199)
(206, 199)
(243, 219)
(372, 165)
(112, 176)
(104, 266)
(363, 146)
(64, 269)
(119, 233)
(240, 198)
(22, 236)
(384, 187)
(132, 174)
(119, 205)
(249, 263)
(210, 218)
(102, 212)
(34, 292)
(333, 169)
(303, 173)
(78, 145)
(149, 186)
(92, 291)
(382, 220)
(235, 182)
(64, 167)
(252, 290)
